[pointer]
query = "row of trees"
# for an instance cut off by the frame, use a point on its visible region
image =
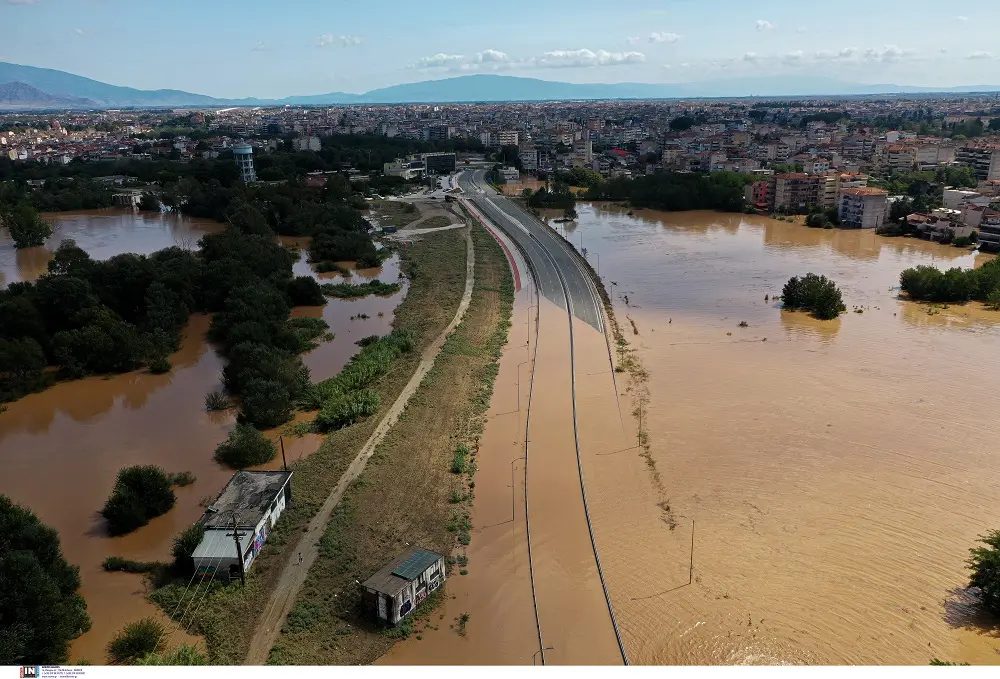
(677, 191)
(930, 284)
(558, 196)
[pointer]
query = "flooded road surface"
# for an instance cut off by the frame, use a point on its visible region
(60, 450)
(103, 234)
(830, 476)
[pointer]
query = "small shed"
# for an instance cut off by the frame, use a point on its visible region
(396, 590)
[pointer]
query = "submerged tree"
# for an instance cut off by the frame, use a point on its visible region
(984, 562)
(27, 228)
(817, 294)
(41, 610)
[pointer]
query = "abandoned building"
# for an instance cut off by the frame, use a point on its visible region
(396, 590)
(250, 504)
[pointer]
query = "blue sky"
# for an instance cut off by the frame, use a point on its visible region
(232, 48)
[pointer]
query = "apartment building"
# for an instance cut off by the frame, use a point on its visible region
(989, 230)
(862, 208)
(797, 191)
(984, 161)
(900, 158)
(529, 159)
(759, 194)
(508, 137)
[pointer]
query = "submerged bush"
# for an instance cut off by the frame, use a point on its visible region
(817, 294)
(137, 640)
(216, 400)
(184, 545)
(245, 447)
(140, 494)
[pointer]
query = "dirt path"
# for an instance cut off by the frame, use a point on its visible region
(294, 574)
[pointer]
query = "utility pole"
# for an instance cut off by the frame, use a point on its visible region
(284, 464)
(239, 550)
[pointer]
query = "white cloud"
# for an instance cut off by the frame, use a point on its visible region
(21, 2)
(664, 37)
(492, 56)
(843, 55)
(888, 54)
(980, 55)
(259, 46)
(633, 40)
(763, 25)
(793, 58)
(328, 39)
(78, 31)
(584, 58)
(962, 18)
(750, 57)
(441, 60)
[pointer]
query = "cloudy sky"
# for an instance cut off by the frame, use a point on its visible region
(233, 48)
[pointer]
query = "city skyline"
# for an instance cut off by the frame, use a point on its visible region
(257, 49)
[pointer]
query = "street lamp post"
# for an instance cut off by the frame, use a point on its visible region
(519, 384)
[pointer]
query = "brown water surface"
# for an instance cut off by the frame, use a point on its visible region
(830, 476)
(61, 449)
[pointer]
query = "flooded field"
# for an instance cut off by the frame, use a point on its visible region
(61, 449)
(820, 482)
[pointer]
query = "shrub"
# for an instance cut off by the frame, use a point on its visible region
(137, 640)
(140, 494)
(245, 447)
(993, 299)
(40, 607)
(348, 409)
(817, 220)
(305, 291)
(185, 654)
(459, 462)
(817, 294)
(181, 479)
(352, 290)
(117, 563)
(184, 545)
(984, 562)
(216, 400)
(962, 242)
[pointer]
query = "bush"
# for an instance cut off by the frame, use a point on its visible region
(984, 562)
(459, 463)
(185, 654)
(137, 640)
(818, 220)
(305, 291)
(216, 400)
(160, 365)
(120, 564)
(184, 545)
(352, 291)
(41, 609)
(140, 494)
(245, 447)
(817, 294)
(962, 242)
(181, 479)
(348, 409)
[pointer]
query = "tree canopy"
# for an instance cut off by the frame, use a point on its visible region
(140, 493)
(41, 609)
(984, 562)
(817, 294)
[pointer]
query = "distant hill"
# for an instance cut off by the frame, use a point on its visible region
(58, 89)
(22, 95)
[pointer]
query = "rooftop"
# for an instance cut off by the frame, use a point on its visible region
(405, 568)
(248, 494)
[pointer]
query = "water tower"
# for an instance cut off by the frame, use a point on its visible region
(243, 154)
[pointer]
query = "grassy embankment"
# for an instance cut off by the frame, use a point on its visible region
(416, 489)
(394, 212)
(226, 617)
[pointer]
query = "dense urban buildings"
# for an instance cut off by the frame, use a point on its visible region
(935, 157)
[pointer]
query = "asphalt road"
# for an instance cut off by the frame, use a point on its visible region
(548, 253)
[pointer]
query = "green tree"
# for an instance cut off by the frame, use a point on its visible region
(265, 403)
(305, 291)
(681, 123)
(149, 202)
(140, 493)
(244, 448)
(22, 368)
(184, 545)
(41, 610)
(27, 228)
(984, 562)
(137, 640)
(817, 294)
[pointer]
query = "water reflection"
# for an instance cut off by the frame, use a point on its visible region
(801, 324)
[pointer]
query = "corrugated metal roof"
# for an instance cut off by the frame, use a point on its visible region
(388, 582)
(415, 564)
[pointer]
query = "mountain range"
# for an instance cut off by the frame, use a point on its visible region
(28, 87)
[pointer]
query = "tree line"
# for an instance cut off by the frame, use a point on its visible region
(676, 191)
(928, 283)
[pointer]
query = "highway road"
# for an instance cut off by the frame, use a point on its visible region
(547, 252)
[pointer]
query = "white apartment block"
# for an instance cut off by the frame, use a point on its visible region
(862, 208)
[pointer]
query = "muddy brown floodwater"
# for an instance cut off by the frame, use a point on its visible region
(831, 476)
(61, 449)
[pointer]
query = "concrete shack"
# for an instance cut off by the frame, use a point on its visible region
(399, 587)
(254, 501)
